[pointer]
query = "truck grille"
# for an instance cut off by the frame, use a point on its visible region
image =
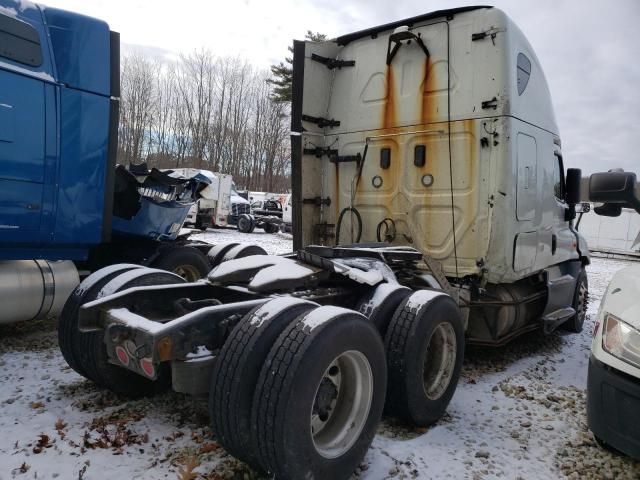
(238, 209)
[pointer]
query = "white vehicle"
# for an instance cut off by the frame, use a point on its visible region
(613, 391)
(435, 136)
(239, 206)
(612, 235)
(441, 136)
(219, 203)
(287, 214)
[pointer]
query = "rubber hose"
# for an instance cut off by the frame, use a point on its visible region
(341, 216)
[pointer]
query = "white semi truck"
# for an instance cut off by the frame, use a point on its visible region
(431, 208)
(219, 203)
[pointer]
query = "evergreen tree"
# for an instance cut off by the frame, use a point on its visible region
(283, 72)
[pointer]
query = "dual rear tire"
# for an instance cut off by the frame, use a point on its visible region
(311, 405)
(86, 352)
(298, 390)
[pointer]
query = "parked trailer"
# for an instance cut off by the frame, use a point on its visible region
(437, 169)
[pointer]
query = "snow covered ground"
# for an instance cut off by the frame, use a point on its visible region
(518, 412)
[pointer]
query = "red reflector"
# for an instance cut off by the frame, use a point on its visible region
(123, 356)
(147, 367)
(596, 326)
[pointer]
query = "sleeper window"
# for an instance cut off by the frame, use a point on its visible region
(524, 72)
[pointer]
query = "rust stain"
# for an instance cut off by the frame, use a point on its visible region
(164, 348)
(389, 111)
(428, 107)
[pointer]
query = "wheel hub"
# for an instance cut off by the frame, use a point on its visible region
(327, 393)
(439, 361)
(188, 272)
(341, 404)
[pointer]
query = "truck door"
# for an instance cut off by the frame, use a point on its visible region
(22, 129)
(563, 239)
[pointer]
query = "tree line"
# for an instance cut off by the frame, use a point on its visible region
(204, 112)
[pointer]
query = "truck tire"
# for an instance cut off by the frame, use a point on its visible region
(380, 303)
(217, 253)
(271, 228)
(237, 368)
(187, 262)
(93, 351)
(320, 396)
(580, 304)
(245, 223)
(68, 333)
(425, 348)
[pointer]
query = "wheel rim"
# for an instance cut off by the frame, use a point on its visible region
(341, 404)
(188, 272)
(439, 361)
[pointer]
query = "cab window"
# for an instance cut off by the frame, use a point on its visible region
(558, 177)
(19, 42)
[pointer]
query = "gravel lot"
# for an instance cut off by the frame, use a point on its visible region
(519, 412)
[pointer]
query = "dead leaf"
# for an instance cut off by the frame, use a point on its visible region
(36, 405)
(42, 443)
(24, 468)
(187, 472)
(209, 447)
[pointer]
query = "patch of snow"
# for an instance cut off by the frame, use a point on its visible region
(273, 243)
(201, 351)
(381, 292)
(420, 297)
(118, 282)
(133, 320)
(523, 405)
(322, 315)
(273, 308)
(252, 262)
(370, 277)
(286, 271)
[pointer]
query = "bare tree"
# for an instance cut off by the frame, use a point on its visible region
(136, 105)
(205, 112)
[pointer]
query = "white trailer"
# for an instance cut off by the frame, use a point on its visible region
(213, 207)
(612, 235)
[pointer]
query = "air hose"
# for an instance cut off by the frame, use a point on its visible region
(390, 230)
(339, 224)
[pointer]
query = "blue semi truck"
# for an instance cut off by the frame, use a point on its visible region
(65, 206)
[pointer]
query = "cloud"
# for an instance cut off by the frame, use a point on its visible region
(588, 49)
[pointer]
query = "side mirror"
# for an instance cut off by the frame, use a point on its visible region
(617, 188)
(572, 192)
(608, 210)
(572, 195)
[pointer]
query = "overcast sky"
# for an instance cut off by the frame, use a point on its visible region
(590, 50)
